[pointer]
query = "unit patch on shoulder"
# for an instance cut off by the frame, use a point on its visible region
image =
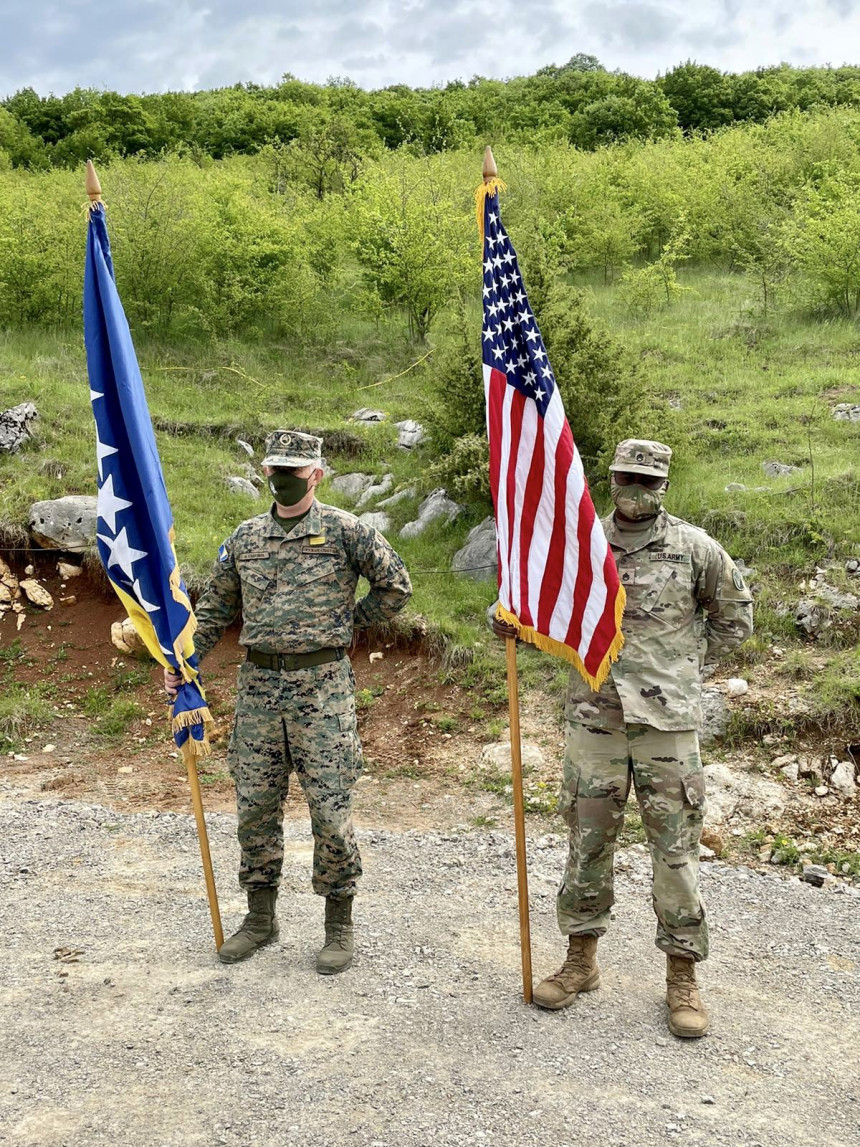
(663, 556)
(737, 578)
(223, 555)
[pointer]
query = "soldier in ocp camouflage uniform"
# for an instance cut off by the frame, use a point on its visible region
(687, 604)
(292, 572)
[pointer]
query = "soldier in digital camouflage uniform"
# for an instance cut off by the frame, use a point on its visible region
(292, 572)
(687, 604)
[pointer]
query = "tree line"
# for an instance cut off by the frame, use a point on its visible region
(331, 128)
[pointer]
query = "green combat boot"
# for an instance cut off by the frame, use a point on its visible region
(688, 1018)
(578, 973)
(336, 954)
(259, 927)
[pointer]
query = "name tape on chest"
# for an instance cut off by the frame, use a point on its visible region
(254, 555)
(665, 556)
(317, 547)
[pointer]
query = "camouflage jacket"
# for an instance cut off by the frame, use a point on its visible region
(296, 591)
(687, 604)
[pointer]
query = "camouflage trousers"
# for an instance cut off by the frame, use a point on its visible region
(666, 771)
(303, 722)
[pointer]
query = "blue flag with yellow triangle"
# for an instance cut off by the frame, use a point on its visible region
(135, 524)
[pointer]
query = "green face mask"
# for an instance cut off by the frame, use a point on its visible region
(288, 490)
(637, 502)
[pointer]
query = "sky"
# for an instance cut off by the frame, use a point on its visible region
(156, 45)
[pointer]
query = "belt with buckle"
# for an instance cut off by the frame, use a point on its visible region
(287, 662)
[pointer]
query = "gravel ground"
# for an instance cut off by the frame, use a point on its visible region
(145, 1039)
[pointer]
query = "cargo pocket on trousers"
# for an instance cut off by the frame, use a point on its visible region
(567, 797)
(694, 805)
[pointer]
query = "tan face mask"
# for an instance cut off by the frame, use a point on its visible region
(636, 502)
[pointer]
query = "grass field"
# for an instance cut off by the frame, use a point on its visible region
(737, 388)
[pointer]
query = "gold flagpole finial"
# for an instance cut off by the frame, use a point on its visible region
(490, 169)
(94, 188)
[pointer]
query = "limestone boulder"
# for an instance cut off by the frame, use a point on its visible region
(435, 507)
(352, 485)
(410, 434)
(237, 485)
(15, 426)
(376, 490)
(378, 521)
(477, 558)
(65, 523)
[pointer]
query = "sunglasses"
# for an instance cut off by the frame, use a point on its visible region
(649, 481)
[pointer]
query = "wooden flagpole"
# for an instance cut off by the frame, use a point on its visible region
(490, 172)
(203, 839)
(519, 817)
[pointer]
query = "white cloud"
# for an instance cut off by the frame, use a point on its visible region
(152, 45)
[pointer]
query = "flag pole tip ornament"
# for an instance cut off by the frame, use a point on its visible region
(94, 188)
(558, 582)
(491, 185)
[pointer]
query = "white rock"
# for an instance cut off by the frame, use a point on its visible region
(365, 414)
(49, 748)
(65, 523)
(477, 558)
(376, 490)
(715, 715)
(736, 687)
(352, 485)
(846, 412)
(497, 757)
(821, 790)
(378, 521)
(375, 657)
(400, 496)
(791, 771)
(242, 486)
(706, 853)
(15, 426)
(36, 593)
(411, 434)
(435, 507)
(842, 779)
(778, 469)
(124, 637)
(29, 570)
(246, 446)
(66, 570)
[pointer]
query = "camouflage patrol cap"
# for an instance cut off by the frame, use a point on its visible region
(292, 448)
(639, 456)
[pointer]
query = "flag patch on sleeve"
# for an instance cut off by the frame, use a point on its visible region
(222, 553)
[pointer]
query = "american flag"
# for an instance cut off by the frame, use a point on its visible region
(558, 583)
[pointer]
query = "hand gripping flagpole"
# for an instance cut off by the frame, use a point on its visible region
(192, 746)
(491, 177)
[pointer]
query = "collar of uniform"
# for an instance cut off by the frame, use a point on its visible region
(656, 534)
(311, 523)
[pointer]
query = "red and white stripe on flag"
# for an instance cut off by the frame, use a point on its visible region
(558, 583)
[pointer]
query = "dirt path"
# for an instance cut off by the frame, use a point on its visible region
(144, 1039)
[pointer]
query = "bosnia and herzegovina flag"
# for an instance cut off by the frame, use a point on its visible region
(135, 525)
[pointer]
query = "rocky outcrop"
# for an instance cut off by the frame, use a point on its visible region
(477, 558)
(65, 523)
(15, 425)
(435, 507)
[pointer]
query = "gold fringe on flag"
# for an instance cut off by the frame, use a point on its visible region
(94, 190)
(488, 187)
(559, 649)
(186, 720)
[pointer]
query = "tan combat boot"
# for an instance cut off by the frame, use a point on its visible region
(578, 973)
(259, 927)
(336, 953)
(688, 1018)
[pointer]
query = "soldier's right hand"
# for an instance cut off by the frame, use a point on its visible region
(172, 681)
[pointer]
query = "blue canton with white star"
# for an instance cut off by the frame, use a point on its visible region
(512, 342)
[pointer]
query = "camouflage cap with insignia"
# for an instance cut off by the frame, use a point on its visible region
(640, 456)
(292, 448)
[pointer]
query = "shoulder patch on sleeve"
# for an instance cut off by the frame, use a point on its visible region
(223, 555)
(737, 579)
